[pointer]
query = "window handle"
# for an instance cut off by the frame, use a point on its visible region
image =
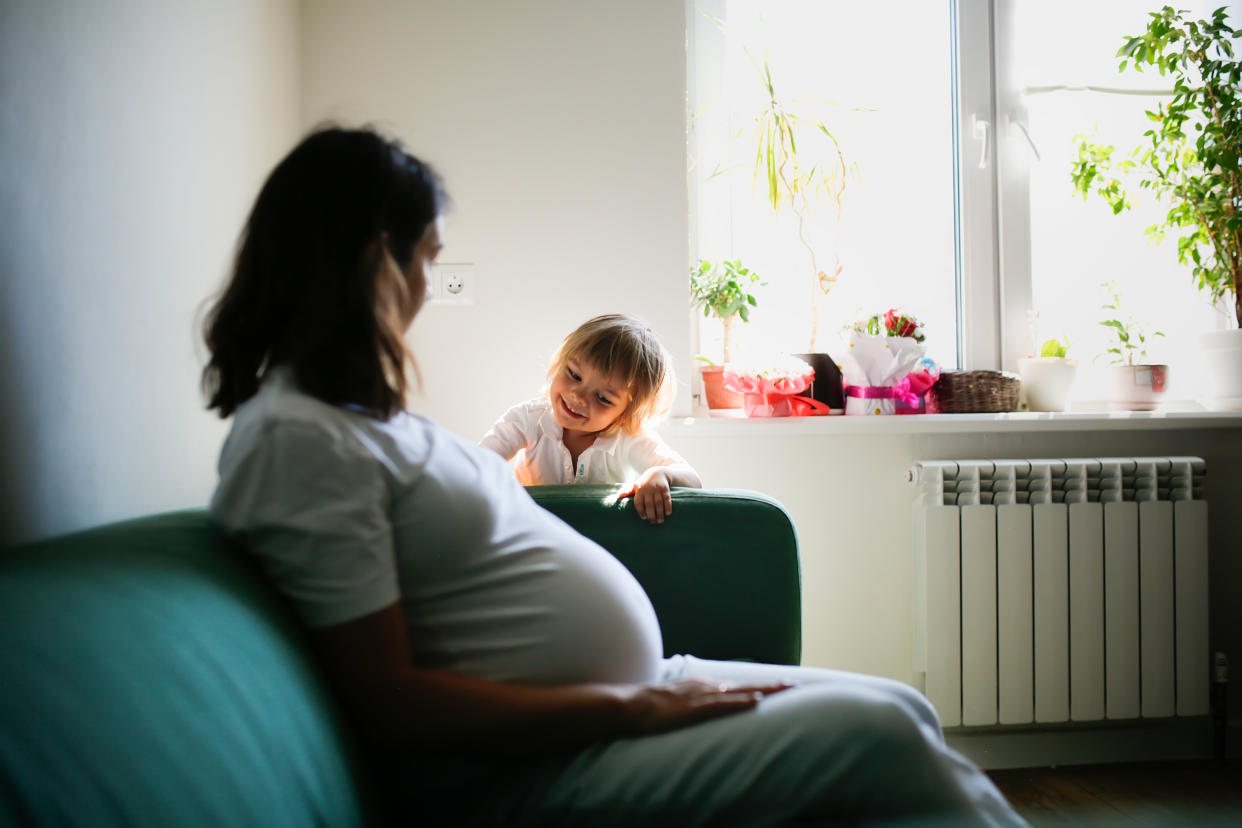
(981, 128)
(1026, 133)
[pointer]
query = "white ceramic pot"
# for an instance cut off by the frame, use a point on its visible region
(1046, 382)
(1221, 370)
(1138, 387)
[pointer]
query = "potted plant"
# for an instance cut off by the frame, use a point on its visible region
(1135, 383)
(808, 183)
(801, 165)
(1048, 378)
(723, 292)
(1189, 156)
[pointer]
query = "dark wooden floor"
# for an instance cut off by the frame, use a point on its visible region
(1142, 793)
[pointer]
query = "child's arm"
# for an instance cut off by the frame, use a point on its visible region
(508, 435)
(664, 468)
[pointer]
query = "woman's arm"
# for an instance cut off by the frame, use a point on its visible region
(399, 705)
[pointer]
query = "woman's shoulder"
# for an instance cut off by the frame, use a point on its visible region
(282, 418)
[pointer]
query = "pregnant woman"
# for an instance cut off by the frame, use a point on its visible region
(503, 668)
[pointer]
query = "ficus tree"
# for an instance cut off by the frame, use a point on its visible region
(1189, 157)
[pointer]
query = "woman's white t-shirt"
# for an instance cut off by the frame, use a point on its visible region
(530, 431)
(349, 514)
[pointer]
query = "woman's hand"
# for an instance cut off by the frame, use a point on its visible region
(397, 705)
(656, 708)
(652, 499)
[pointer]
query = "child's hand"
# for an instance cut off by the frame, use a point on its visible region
(651, 495)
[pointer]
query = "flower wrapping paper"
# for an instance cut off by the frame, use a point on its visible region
(772, 393)
(877, 366)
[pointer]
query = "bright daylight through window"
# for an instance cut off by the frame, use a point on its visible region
(927, 166)
(873, 219)
(1082, 256)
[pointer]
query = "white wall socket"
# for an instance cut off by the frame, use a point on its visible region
(452, 284)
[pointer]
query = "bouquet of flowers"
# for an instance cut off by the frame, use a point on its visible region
(882, 351)
(773, 387)
(892, 323)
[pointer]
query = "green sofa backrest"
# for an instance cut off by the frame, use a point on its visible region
(722, 571)
(149, 676)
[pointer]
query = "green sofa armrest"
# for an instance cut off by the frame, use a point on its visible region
(150, 676)
(722, 571)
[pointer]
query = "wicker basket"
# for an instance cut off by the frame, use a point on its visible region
(971, 392)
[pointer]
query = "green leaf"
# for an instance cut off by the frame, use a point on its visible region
(1052, 348)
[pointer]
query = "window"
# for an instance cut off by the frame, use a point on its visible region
(957, 119)
(879, 77)
(1047, 96)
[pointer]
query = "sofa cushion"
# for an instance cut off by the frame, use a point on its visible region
(149, 677)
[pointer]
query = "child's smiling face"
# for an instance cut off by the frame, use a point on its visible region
(584, 400)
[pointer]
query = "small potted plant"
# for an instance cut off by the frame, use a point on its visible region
(1137, 385)
(1189, 157)
(1048, 378)
(722, 291)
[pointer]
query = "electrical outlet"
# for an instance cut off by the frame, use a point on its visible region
(452, 284)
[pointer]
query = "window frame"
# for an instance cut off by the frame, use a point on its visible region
(992, 279)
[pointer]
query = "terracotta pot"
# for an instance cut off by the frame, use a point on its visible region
(714, 391)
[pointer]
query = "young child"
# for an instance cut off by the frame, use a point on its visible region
(609, 378)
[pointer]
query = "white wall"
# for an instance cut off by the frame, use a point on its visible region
(559, 126)
(133, 137)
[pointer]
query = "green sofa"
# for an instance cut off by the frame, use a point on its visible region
(149, 676)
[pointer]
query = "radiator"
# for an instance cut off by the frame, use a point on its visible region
(1069, 590)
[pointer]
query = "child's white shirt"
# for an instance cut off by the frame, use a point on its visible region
(531, 429)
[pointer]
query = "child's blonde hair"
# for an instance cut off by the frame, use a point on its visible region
(620, 346)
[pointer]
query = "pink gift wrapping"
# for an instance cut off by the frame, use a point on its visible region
(774, 397)
(917, 382)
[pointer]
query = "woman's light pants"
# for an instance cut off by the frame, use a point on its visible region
(839, 748)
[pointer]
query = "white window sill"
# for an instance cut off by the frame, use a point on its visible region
(1189, 416)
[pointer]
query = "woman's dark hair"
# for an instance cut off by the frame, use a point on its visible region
(313, 286)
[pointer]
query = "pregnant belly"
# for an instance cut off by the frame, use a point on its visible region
(551, 614)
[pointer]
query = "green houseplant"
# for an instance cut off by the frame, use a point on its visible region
(1129, 336)
(1136, 383)
(1048, 378)
(1190, 159)
(802, 166)
(722, 291)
